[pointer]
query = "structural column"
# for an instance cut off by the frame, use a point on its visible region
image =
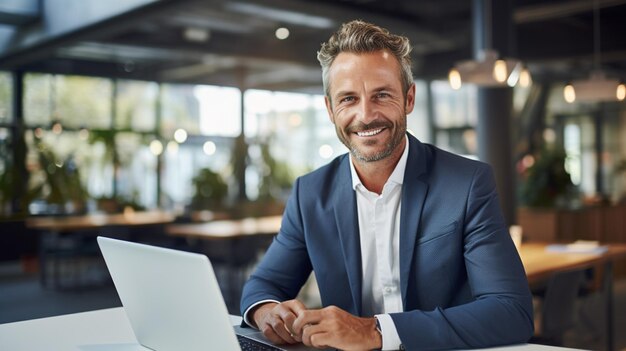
(18, 171)
(493, 28)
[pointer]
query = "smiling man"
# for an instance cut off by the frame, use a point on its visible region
(407, 241)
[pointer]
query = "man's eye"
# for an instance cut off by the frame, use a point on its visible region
(347, 99)
(383, 95)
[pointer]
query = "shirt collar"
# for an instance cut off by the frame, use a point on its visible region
(397, 176)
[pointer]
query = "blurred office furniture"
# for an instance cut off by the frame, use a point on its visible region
(233, 246)
(605, 223)
(558, 307)
(542, 265)
(67, 242)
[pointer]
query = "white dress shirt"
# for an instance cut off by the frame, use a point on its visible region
(379, 227)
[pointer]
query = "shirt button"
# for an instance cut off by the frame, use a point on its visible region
(387, 290)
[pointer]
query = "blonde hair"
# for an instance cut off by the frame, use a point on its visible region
(361, 37)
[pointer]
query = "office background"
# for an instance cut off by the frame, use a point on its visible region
(209, 110)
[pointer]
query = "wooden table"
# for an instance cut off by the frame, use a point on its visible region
(95, 221)
(232, 245)
(67, 236)
(540, 264)
(227, 229)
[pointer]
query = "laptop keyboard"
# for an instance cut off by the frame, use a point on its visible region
(252, 345)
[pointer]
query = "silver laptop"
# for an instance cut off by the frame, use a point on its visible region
(173, 301)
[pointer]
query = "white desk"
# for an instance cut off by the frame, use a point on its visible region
(102, 330)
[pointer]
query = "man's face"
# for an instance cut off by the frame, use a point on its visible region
(367, 104)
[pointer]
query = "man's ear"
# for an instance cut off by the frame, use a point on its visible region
(410, 99)
(329, 109)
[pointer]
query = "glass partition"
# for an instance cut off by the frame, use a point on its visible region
(6, 93)
(417, 121)
(7, 178)
(82, 101)
(455, 117)
(135, 103)
(59, 178)
(137, 174)
(74, 101)
(38, 99)
(201, 110)
(288, 134)
(184, 163)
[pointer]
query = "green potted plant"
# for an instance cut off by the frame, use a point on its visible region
(210, 190)
(62, 186)
(546, 183)
(546, 187)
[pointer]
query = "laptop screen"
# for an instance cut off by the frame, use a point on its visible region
(171, 298)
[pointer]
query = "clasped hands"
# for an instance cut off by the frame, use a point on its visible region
(291, 322)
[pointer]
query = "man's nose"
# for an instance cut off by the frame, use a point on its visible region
(367, 111)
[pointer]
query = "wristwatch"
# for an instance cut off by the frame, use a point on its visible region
(378, 329)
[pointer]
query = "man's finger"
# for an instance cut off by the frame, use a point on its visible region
(296, 306)
(304, 318)
(279, 328)
(320, 340)
(314, 335)
(271, 335)
(288, 317)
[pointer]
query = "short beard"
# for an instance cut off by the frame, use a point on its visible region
(386, 152)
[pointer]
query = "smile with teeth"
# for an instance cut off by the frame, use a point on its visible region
(369, 132)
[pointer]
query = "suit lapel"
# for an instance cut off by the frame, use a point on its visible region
(346, 218)
(414, 193)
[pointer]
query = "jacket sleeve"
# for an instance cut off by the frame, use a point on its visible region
(286, 265)
(501, 309)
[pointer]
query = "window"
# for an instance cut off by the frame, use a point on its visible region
(137, 175)
(417, 121)
(57, 163)
(7, 177)
(455, 118)
(38, 99)
(454, 108)
(210, 117)
(183, 163)
(6, 93)
(572, 141)
(135, 104)
(82, 101)
(74, 101)
(201, 110)
(289, 134)
(583, 126)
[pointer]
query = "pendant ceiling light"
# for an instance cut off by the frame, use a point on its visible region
(488, 68)
(490, 71)
(598, 87)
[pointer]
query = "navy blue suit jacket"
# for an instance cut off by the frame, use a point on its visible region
(463, 284)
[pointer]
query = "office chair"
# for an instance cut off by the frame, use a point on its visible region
(558, 307)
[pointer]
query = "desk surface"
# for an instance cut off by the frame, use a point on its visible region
(101, 330)
(225, 229)
(91, 221)
(540, 263)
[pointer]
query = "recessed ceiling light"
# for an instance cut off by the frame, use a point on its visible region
(282, 33)
(199, 35)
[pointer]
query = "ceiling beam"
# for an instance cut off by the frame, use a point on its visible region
(301, 52)
(549, 11)
(340, 13)
(89, 19)
(19, 12)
